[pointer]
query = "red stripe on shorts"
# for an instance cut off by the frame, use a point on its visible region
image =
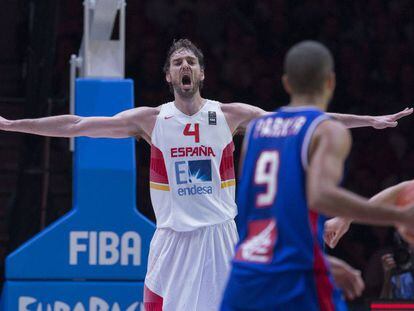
(152, 301)
(324, 288)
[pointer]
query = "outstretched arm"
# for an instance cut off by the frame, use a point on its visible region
(336, 227)
(329, 147)
(238, 116)
(377, 122)
(389, 195)
(125, 124)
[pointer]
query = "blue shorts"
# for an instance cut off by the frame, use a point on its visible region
(290, 291)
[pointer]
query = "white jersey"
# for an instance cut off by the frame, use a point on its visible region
(192, 180)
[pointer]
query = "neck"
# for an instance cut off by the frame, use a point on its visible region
(309, 100)
(190, 105)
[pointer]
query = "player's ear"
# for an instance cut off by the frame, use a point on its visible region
(286, 85)
(202, 74)
(331, 81)
(168, 76)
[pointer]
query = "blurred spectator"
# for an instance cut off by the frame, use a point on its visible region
(398, 271)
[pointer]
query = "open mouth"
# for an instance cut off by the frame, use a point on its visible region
(186, 80)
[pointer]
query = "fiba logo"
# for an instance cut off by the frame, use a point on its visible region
(104, 248)
(191, 174)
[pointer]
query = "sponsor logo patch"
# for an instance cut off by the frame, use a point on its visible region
(212, 118)
(199, 171)
(260, 242)
(193, 177)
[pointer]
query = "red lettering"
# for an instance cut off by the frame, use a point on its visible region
(192, 152)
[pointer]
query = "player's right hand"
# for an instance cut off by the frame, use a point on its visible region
(334, 230)
(382, 122)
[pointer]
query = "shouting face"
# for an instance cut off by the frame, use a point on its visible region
(185, 73)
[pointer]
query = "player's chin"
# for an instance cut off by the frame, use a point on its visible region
(187, 90)
(185, 93)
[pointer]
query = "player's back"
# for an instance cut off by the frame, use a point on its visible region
(279, 255)
(275, 224)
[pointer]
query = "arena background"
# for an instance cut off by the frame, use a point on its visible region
(244, 43)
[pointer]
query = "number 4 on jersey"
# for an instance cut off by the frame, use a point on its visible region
(196, 132)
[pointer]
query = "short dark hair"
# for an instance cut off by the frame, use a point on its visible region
(186, 45)
(307, 65)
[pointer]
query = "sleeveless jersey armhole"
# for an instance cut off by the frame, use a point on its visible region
(307, 139)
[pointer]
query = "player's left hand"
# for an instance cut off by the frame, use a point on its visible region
(390, 120)
(346, 278)
(334, 230)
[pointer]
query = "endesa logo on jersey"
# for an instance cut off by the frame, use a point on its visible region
(192, 176)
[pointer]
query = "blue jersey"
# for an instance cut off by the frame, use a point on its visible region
(280, 248)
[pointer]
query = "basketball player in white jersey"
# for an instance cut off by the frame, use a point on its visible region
(191, 178)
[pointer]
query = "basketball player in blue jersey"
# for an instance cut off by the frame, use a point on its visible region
(188, 134)
(293, 162)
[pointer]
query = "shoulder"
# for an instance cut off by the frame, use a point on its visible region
(334, 134)
(331, 128)
(238, 115)
(141, 119)
(140, 113)
(240, 109)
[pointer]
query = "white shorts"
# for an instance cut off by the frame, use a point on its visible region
(189, 270)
